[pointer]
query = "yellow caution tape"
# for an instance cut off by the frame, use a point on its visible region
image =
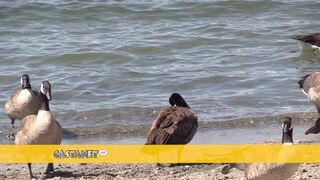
(306, 153)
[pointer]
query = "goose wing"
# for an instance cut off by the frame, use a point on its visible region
(25, 126)
(27, 123)
(15, 95)
(174, 125)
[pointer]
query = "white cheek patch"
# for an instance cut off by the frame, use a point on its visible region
(42, 89)
(21, 81)
(305, 93)
(315, 47)
(288, 128)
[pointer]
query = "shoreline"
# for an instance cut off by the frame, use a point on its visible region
(139, 171)
(264, 128)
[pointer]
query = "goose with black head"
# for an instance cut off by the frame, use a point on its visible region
(176, 124)
(267, 171)
(42, 128)
(309, 41)
(24, 101)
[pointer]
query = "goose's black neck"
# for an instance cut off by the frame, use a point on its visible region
(26, 87)
(44, 102)
(177, 99)
(287, 136)
(181, 102)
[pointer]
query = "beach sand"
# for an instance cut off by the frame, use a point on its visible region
(139, 171)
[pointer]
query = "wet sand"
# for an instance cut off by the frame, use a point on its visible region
(220, 131)
(139, 171)
(114, 131)
(251, 129)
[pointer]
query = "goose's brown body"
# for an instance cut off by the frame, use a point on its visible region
(23, 102)
(173, 125)
(270, 171)
(39, 129)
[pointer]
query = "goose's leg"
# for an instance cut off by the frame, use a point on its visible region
(11, 135)
(30, 172)
(49, 168)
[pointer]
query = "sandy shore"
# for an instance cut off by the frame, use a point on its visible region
(139, 171)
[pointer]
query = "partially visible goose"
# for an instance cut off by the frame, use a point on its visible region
(269, 171)
(314, 129)
(309, 41)
(310, 85)
(176, 124)
(41, 128)
(24, 101)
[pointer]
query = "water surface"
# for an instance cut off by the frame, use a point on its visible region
(117, 62)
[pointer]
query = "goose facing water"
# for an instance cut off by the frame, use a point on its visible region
(41, 128)
(267, 171)
(309, 41)
(24, 101)
(176, 124)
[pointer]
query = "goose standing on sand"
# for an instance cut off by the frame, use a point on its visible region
(24, 101)
(309, 41)
(176, 124)
(267, 171)
(41, 128)
(310, 85)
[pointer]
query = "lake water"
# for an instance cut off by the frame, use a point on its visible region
(117, 62)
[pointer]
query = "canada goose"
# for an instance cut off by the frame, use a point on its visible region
(314, 129)
(310, 85)
(176, 124)
(41, 128)
(309, 41)
(267, 171)
(24, 101)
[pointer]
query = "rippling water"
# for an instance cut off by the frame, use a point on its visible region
(119, 61)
